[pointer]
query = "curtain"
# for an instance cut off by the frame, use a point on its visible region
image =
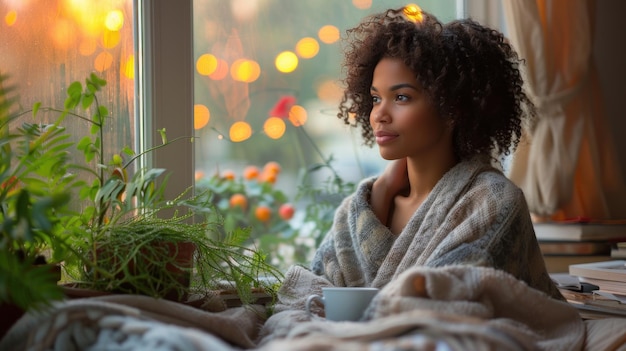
(566, 163)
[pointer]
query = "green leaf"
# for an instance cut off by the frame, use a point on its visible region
(36, 107)
(83, 143)
(163, 136)
(87, 100)
(74, 93)
(128, 151)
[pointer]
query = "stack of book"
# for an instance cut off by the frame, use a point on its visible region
(608, 276)
(597, 289)
(577, 241)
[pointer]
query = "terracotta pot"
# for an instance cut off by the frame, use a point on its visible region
(177, 272)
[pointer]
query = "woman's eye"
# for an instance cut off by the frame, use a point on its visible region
(402, 98)
(375, 99)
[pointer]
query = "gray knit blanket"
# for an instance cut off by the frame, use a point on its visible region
(473, 216)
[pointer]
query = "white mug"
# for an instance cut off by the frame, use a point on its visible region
(343, 303)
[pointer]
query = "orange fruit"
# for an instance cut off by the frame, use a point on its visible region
(272, 167)
(286, 211)
(228, 174)
(239, 200)
(251, 172)
(263, 213)
(268, 177)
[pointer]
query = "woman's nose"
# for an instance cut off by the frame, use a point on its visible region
(379, 114)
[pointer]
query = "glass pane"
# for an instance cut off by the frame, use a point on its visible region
(267, 91)
(47, 45)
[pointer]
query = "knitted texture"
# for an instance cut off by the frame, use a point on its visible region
(473, 216)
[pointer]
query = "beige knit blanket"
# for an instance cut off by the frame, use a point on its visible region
(451, 308)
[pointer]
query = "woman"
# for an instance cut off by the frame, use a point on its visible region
(444, 102)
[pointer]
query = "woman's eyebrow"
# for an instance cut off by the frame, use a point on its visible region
(397, 86)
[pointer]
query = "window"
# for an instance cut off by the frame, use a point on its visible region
(46, 45)
(266, 85)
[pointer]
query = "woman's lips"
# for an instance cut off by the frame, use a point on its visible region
(383, 137)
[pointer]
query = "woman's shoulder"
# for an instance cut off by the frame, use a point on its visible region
(495, 182)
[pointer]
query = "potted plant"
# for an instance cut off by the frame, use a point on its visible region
(121, 240)
(33, 193)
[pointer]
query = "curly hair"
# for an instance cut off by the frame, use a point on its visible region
(470, 73)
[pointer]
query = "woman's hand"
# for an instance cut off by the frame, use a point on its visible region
(390, 183)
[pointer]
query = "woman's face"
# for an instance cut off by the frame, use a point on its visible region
(405, 122)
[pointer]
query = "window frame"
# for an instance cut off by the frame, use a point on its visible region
(164, 95)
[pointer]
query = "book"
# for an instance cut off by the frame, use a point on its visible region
(593, 306)
(613, 270)
(561, 263)
(580, 231)
(618, 251)
(606, 286)
(575, 247)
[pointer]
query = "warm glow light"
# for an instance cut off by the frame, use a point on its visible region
(328, 34)
(62, 34)
(198, 175)
(110, 39)
(362, 4)
(274, 127)
(297, 115)
(114, 20)
(10, 18)
(244, 10)
(201, 116)
(221, 71)
(89, 15)
(206, 64)
(329, 91)
(129, 67)
(286, 62)
(413, 13)
(87, 47)
(103, 61)
(307, 48)
(240, 131)
(245, 70)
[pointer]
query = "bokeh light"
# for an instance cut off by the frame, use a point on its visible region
(286, 62)
(362, 4)
(201, 116)
(328, 34)
(103, 61)
(274, 127)
(329, 91)
(206, 64)
(244, 10)
(87, 47)
(240, 131)
(307, 47)
(10, 18)
(129, 67)
(110, 39)
(413, 13)
(297, 115)
(62, 34)
(114, 20)
(245, 70)
(221, 70)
